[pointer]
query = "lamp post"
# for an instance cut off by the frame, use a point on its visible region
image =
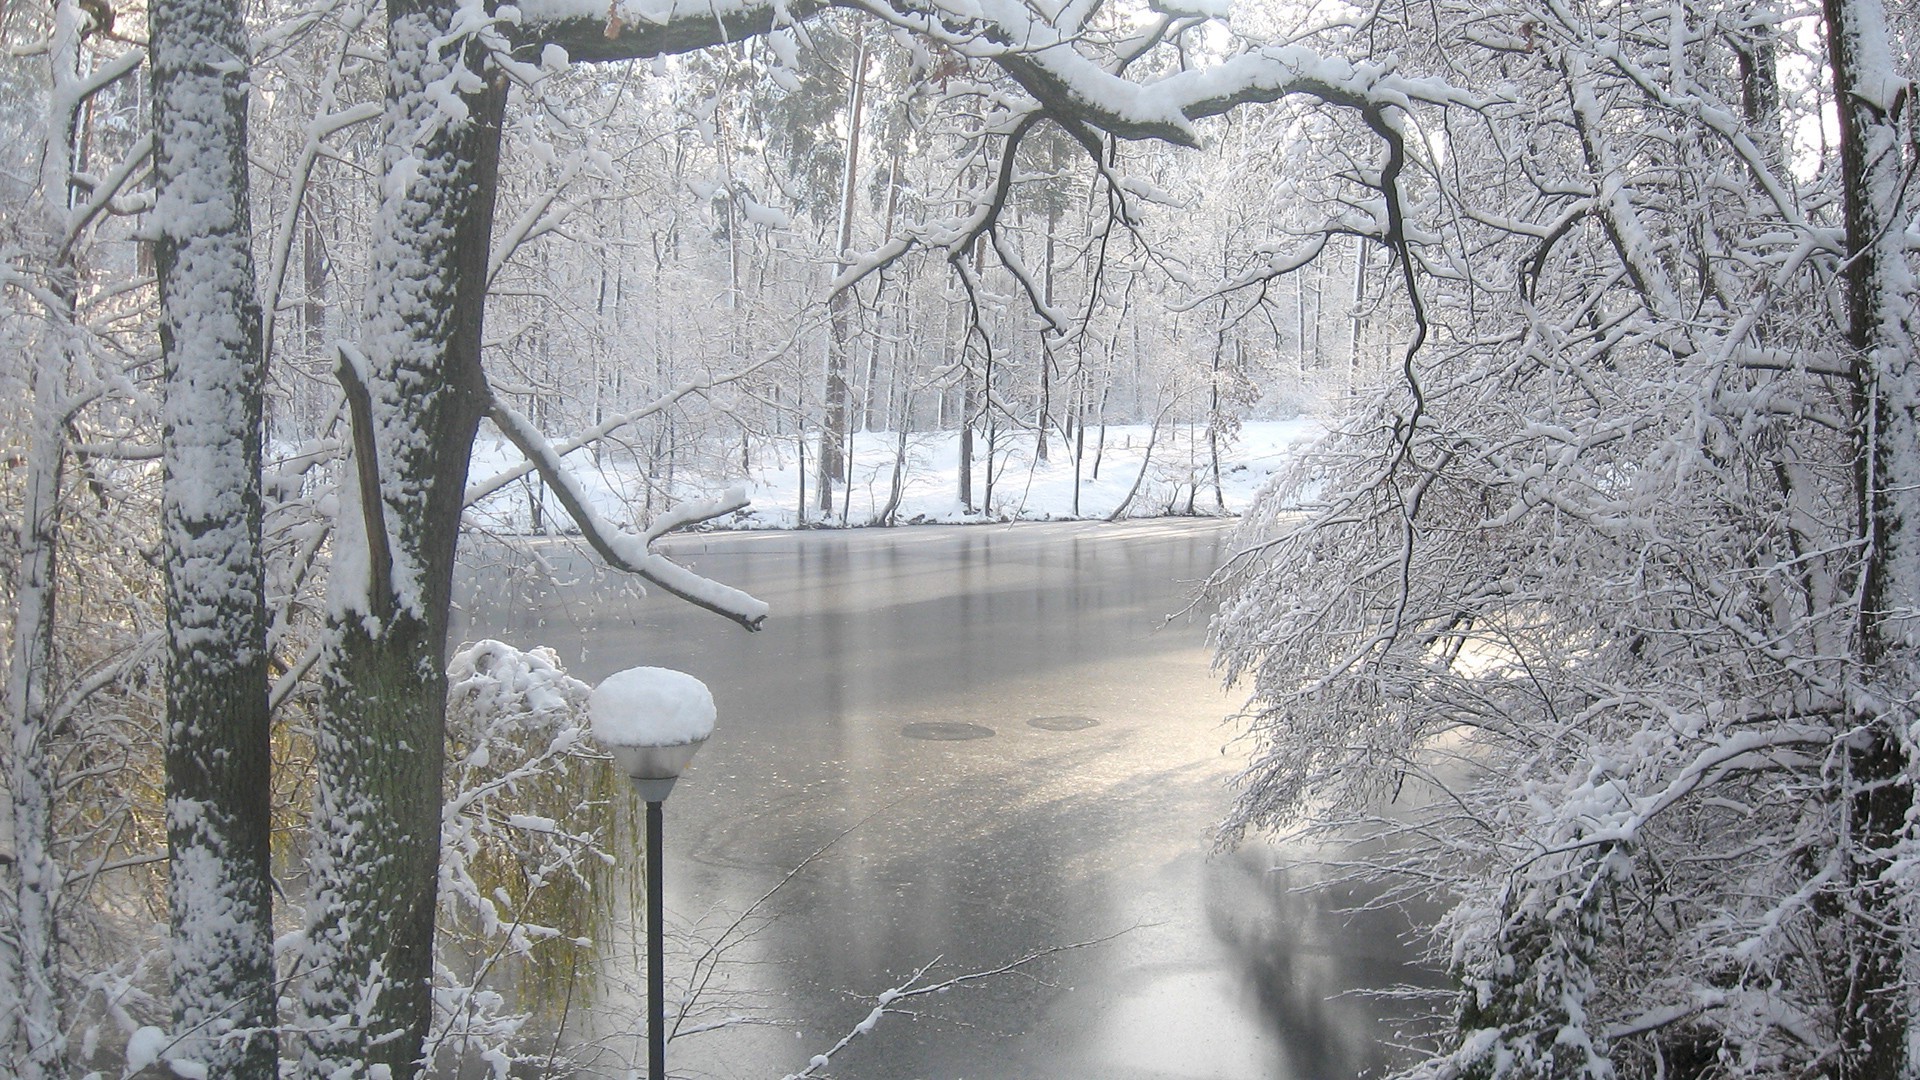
(652, 720)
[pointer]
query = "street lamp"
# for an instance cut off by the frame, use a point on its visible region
(652, 720)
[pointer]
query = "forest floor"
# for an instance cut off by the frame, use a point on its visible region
(1121, 466)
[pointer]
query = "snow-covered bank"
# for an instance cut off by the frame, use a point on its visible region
(1124, 466)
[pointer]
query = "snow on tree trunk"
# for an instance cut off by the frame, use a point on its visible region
(217, 749)
(416, 395)
(1875, 150)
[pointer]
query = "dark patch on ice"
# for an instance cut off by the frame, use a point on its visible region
(947, 731)
(1063, 723)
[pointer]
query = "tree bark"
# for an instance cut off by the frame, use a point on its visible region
(1874, 1016)
(417, 396)
(217, 747)
(33, 1022)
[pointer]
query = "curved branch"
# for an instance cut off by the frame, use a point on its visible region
(623, 550)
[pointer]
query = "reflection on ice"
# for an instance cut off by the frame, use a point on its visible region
(1085, 814)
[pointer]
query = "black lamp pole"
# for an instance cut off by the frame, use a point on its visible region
(652, 721)
(656, 932)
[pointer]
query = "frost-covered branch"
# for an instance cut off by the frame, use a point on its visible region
(514, 861)
(625, 551)
(612, 424)
(887, 1000)
(707, 963)
(104, 192)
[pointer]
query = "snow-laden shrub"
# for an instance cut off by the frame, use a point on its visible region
(1571, 628)
(521, 850)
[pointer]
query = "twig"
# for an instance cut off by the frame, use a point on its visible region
(885, 1000)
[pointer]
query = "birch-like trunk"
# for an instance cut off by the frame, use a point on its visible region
(219, 812)
(833, 428)
(33, 1022)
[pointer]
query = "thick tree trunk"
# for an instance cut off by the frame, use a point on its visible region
(1875, 1017)
(218, 800)
(417, 396)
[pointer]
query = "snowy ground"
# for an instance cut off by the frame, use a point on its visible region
(1023, 488)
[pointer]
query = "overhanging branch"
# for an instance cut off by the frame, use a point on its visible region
(623, 550)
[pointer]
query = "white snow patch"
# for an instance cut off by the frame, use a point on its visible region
(144, 1046)
(1208, 9)
(650, 706)
(760, 214)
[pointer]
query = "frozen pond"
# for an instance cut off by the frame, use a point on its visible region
(1021, 754)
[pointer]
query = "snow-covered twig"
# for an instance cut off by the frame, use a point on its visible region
(885, 1001)
(626, 551)
(705, 964)
(603, 429)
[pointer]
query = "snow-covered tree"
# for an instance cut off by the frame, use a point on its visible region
(1594, 619)
(416, 388)
(63, 289)
(219, 813)
(1615, 265)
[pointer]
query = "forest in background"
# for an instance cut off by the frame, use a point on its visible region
(1610, 308)
(671, 233)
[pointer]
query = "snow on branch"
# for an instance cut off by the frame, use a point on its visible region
(516, 797)
(606, 427)
(593, 30)
(1073, 88)
(104, 191)
(624, 550)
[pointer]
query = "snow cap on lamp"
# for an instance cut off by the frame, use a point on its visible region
(652, 720)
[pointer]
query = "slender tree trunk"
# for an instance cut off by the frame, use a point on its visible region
(880, 296)
(993, 431)
(1100, 444)
(1875, 150)
(1756, 51)
(1213, 408)
(33, 1021)
(219, 812)
(1079, 450)
(32, 955)
(1046, 349)
(1301, 363)
(1356, 319)
(898, 486)
(966, 438)
(833, 431)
